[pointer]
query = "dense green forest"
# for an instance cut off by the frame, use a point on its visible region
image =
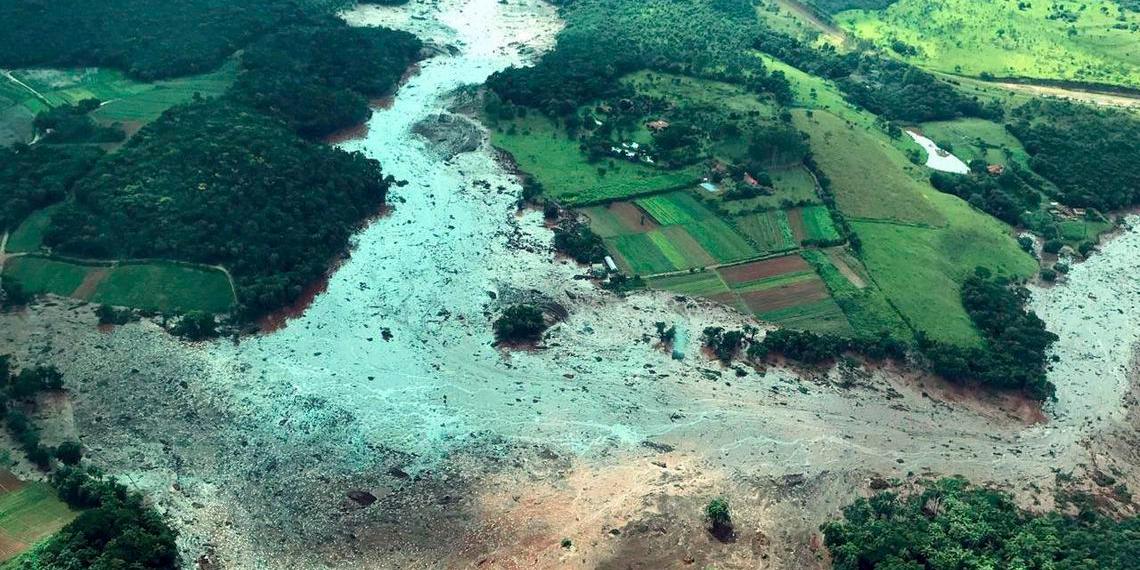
(34, 177)
(319, 77)
(217, 183)
(954, 525)
(224, 181)
(604, 40)
(889, 88)
(148, 39)
(1014, 356)
(73, 124)
(1091, 154)
(1006, 196)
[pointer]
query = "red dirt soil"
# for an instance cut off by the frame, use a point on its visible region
(762, 269)
(796, 220)
(633, 218)
(792, 295)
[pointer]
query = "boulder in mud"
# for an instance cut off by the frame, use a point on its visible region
(450, 134)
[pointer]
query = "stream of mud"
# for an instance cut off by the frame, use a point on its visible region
(381, 428)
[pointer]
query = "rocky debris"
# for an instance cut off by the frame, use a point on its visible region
(362, 498)
(449, 134)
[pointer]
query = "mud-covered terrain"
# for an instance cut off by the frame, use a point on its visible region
(382, 429)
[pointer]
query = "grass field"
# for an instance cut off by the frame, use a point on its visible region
(125, 101)
(543, 150)
(866, 308)
(163, 287)
(971, 139)
(29, 513)
(697, 284)
(1090, 41)
(770, 231)
(29, 236)
(720, 240)
(674, 208)
(921, 269)
(870, 179)
(817, 224)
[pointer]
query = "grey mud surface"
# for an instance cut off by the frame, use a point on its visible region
(381, 429)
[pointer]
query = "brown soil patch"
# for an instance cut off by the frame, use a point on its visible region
(351, 133)
(796, 220)
(10, 547)
(90, 282)
(633, 218)
(792, 295)
(845, 269)
(9, 482)
(762, 269)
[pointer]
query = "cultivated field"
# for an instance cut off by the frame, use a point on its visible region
(29, 512)
(787, 291)
(163, 287)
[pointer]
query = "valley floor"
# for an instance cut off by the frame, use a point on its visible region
(381, 429)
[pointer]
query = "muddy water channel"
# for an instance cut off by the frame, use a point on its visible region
(381, 428)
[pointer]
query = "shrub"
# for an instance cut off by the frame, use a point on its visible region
(1053, 246)
(579, 242)
(69, 453)
(520, 323)
(1048, 275)
(717, 513)
(196, 325)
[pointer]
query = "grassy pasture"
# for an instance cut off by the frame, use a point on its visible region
(1010, 39)
(870, 179)
(29, 513)
(543, 150)
(921, 269)
(867, 310)
(29, 236)
(163, 287)
(977, 139)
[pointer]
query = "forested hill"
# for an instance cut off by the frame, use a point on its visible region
(224, 185)
(236, 181)
(148, 39)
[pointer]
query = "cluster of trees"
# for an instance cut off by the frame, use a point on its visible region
(520, 323)
(1016, 340)
(17, 393)
(1006, 196)
(73, 124)
(1090, 154)
(953, 525)
(116, 530)
(34, 177)
(798, 345)
(605, 39)
(891, 89)
(837, 6)
(215, 182)
(579, 242)
(319, 76)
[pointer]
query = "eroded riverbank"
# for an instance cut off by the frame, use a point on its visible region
(381, 429)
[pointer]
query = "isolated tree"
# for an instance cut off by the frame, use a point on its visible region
(520, 323)
(717, 513)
